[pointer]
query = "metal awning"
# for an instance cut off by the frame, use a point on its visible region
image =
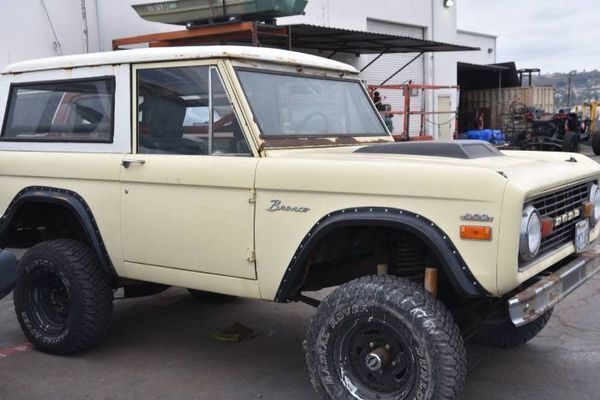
(482, 67)
(487, 76)
(293, 37)
(301, 37)
(314, 37)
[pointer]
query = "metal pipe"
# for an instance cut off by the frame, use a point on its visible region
(86, 40)
(98, 25)
(403, 68)
(57, 45)
(374, 60)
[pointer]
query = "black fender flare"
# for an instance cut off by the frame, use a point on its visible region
(70, 200)
(438, 241)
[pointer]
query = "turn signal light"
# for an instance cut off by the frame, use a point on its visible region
(547, 227)
(588, 209)
(475, 232)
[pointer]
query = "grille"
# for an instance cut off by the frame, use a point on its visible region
(558, 203)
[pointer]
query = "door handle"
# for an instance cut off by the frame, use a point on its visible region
(126, 163)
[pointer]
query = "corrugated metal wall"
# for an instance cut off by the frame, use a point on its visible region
(388, 64)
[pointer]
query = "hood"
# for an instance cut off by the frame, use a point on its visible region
(532, 172)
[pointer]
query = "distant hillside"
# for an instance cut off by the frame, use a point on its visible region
(585, 86)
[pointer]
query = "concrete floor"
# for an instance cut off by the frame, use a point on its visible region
(160, 348)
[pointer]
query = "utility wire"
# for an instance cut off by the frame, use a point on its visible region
(57, 45)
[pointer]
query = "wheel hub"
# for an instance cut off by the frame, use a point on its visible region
(50, 300)
(379, 358)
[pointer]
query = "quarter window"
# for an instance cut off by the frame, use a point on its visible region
(185, 110)
(61, 111)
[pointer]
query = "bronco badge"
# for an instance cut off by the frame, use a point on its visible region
(277, 205)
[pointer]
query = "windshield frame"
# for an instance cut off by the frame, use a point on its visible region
(313, 140)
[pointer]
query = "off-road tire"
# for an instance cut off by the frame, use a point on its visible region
(570, 142)
(501, 333)
(434, 349)
(211, 297)
(596, 143)
(63, 298)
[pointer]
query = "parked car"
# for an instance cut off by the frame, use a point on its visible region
(270, 174)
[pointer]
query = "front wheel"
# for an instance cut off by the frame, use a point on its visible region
(63, 298)
(383, 337)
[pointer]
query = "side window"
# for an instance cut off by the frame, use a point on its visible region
(185, 110)
(65, 111)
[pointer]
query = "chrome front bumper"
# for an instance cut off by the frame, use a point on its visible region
(534, 301)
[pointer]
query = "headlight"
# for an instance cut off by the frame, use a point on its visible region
(531, 233)
(595, 200)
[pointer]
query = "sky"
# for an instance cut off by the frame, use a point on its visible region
(554, 35)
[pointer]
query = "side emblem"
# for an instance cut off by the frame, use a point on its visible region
(477, 218)
(277, 205)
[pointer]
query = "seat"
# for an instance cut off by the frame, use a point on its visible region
(165, 116)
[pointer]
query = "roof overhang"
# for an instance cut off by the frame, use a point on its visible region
(482, 67)
(321, 38)
(293, 37)
(488, 76)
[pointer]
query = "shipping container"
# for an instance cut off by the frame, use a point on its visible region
(497, 102)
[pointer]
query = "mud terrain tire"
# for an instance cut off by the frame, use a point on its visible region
(63, 298)
(383, 337)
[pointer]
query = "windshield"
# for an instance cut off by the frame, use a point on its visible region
(287, 106)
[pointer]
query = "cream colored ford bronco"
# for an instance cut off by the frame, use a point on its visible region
(269, 174)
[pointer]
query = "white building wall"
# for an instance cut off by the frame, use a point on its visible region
(27, 32)
(487, 44)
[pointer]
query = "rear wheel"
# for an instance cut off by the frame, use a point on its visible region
(570, 142)
(383, 337)
(63, 298)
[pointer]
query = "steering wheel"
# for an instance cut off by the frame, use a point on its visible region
(305, 123)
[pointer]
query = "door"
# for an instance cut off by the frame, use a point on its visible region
(445, 120)
(187, 188)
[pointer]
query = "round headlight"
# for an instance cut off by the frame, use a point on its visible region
(595, 200)
(531, 233)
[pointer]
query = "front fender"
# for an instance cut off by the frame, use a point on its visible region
(438, 241)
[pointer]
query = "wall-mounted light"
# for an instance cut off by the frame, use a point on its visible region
(448, 3)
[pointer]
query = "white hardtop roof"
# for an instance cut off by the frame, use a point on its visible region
(178, 53)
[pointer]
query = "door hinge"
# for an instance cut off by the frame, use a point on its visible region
(252, 198)
(251, 255)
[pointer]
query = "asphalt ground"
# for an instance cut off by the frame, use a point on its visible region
(160, 347)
